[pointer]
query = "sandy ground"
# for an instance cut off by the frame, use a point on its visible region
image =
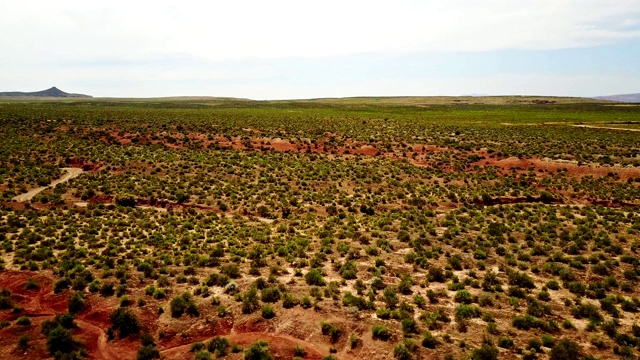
(71, 173)
(606, 127)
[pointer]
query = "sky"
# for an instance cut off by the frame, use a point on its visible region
(281, 49)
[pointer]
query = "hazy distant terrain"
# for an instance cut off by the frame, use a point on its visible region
(52, 92)
(626, 98)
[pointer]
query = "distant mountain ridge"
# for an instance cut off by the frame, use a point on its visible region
(52, 92)
(625, 98)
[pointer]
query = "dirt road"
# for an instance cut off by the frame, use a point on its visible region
(605, 127)
(71, 173)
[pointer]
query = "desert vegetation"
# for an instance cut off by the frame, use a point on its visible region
(320, 230)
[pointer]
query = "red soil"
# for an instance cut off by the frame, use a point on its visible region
(351, 147)
(551, 166)
(101, 199)
(280, 346)
(42, 304)
(13, 205)
(85, 165)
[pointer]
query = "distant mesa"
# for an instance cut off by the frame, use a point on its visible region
(52, 92)
(624, 98)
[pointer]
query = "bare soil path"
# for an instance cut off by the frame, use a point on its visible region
(72, 172)
(605, 127)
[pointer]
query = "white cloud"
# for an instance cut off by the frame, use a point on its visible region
(36, 31)
(287, 48)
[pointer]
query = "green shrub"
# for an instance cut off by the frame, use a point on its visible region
(197, 346)
(505, 342)
(547, 340)
(380, 332)
(94, 286)
(409, 325)
(202, 355)
(289, 301)
(429, 341)
(465, 312)
(23, 343)
(526, 322)
(404, 287)
(268, 312)
(577, 287)
(487, 351)
(231, 270)
(270, 295)
(215, 279)
(107, 289)
(536, 308)
(124, 322)
(59, 340)
(436, 274)
(553, 285)
(314, 278)
(305, 302)
(299, 351)
(544, 295)
(250, 301)
(148, 352)
(31, 284)
(5, 300)
(520, 279)
(354, 341)
(24, 321)
(492, 328)
(331, 330)
(218, 346)
(76, 302)
(357, 301)
(587, 310)
(349, 270)
(258, 351)
(565, 350)
(463, 296)
(401, 352)
(61, 285)
(390, 297)
(159, 293)
(383, 313)
(183, 303)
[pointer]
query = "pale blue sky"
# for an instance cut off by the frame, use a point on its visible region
(293, 49)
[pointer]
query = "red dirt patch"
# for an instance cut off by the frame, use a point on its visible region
(280, 346)
(254, 325)
(9, 339)
(572, 169)
(101, 199)
(172, 339)
(42, 304)
(13, 205)
(36, 302)
(366, 150)
(349, 147)
(81, 163)
(95, 341)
